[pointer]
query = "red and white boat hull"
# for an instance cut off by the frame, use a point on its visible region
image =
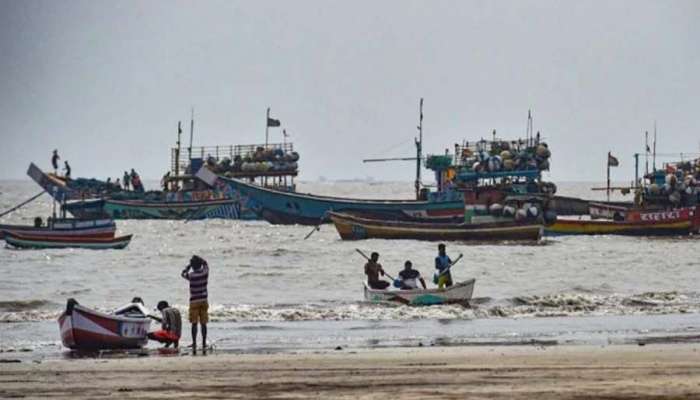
(86, 329)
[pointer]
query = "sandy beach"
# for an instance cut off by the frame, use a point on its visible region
(664, 371)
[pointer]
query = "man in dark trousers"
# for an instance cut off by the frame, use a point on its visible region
(67, 169)
(199, 305)
(54, 161)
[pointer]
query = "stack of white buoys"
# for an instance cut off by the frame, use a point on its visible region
(496, 209)
(501, 156)
(494, 163)
(509, 211)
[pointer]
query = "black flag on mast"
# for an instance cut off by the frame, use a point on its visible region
(272, 123)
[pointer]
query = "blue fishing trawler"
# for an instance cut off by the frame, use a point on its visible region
(475, 176)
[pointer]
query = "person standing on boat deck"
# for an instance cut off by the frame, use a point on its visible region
(127, 179)
(66, 168)
(171, 325)
(409, 277)
(442, 263)
(199, 305)
(54, 161)
(372, 270)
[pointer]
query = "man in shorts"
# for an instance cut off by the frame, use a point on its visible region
(199, 306)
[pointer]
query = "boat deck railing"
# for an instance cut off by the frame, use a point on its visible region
(180, 158)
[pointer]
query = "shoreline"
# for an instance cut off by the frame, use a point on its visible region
(514, 372)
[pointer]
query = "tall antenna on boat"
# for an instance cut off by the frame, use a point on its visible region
(177, 149)
(419, 149)
(267, 127)
(654, 156)
(528, 130)
(646, 152)
(189, 149)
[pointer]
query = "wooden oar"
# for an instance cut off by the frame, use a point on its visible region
(317, 227)
(437, 275)
(451, 264)
(368, 259)
(22, 204)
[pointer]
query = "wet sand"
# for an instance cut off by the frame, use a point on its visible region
(667, 371)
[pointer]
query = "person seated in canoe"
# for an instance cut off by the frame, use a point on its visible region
(443, 277)
(372, 269)
(409, 277)
(171, 325)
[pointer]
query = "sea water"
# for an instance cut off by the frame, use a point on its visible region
(271, 290)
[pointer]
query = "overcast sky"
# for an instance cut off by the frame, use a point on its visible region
(106, 82)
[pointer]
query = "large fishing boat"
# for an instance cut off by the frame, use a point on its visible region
(479, 174)
(666, 203)
(183, 197)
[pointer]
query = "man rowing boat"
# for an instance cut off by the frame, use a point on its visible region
(442, 264)
(372, 269)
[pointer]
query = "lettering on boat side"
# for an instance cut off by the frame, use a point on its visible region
(661, 216)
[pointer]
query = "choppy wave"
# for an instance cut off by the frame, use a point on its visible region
(580, 304)
(554, 305)
(23, 305)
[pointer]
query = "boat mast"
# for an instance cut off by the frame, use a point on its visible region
(267, 127)
(646, 153)
(654, 156)
(419, 150)
(177, 149)
(189, 149)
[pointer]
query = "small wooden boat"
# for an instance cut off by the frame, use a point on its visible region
(99, 228)
(356, 228)
(85, 329)
(63, 242)
(459, 293)
(683, 221)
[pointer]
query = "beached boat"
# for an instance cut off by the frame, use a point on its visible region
(683, 221)
(85, 329)
(356, 228)
(459, 293)
(101, 228)
(24, 241)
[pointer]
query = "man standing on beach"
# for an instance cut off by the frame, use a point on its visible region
(199, 306)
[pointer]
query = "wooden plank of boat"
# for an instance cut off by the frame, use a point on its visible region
(356, 228)
(85, 329)
(61, 242)
(460, 293)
